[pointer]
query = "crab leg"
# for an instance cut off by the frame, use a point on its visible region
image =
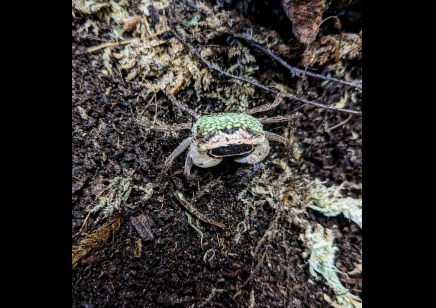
(279, 119)
(188, 166)
(182, 146)
(278, 138)
(266, 107)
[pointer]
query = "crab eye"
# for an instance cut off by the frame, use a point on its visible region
(202, 147)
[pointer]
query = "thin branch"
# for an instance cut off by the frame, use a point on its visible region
(277, 101)
(342, 123)
(291, 96)
(83, 225)
(253, 272)
(183, 107)
(165, 128)
(187, 205)
(278, 119)
(112, 44)
(296, 71)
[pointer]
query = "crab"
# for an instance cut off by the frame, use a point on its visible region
(220, 135)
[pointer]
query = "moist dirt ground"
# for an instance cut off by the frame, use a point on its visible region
(137, 249)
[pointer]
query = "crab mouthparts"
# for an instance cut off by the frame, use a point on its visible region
(231, 150)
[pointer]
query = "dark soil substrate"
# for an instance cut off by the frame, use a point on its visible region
(170, 269)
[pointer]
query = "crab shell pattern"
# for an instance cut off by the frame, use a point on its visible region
(228, 134)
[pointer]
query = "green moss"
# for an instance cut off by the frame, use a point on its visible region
(212, 124)
(194, 21)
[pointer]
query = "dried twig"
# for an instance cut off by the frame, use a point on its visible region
(293, 70)
(211, 67)
(95, 240)
(165, 128)
(194, 211)
(340, 124)
(190, 299)
(296, 71)
(112, 44)
(183, 107)
(83, 225)
(256, 268)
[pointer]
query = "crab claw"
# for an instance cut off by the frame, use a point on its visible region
(201, 159)
(259, 153)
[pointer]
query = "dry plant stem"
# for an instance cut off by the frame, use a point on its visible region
(211, 67)
(338, 125)
(256, 268)
(266, 237)
(83, 225)
(165, 128)
(112, 44)
(183, 107)
(108, 276)
(296, 71)
(192, 298)
(95, 240)
(194, 211)
(293, 70)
